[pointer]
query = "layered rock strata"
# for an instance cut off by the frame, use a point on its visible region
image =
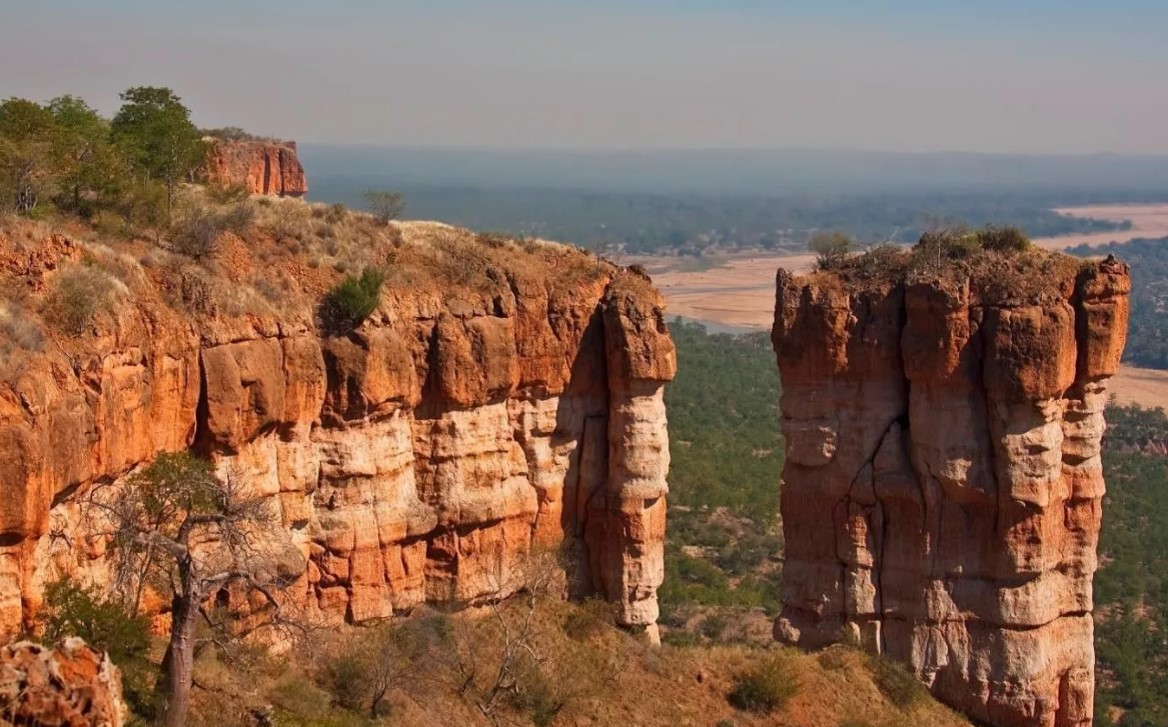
(420, 458)
(942, 488)
(261, 167)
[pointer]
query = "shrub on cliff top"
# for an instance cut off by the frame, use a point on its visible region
(197, 233)
(831, 249)
(352, 301)
(79, 295)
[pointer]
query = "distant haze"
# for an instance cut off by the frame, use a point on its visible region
(1041, 76)
(340, 172)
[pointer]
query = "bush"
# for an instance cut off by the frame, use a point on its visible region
(79, 294)
(1007, 238)
(352, 301)
(345, 679)
(830, 248)
(196, 235)
(896, 683)
(71, 610)
(766, 688)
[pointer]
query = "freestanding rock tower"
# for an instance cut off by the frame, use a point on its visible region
(941, 498)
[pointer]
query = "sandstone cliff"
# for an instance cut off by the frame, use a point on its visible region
(261, 167)
(504, 397)
(941, 495)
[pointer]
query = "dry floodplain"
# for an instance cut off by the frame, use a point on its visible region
(1148, 220)
(737, 291)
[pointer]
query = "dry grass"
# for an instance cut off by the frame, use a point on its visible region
(596, 675)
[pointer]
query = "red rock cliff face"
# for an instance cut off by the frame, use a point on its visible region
(941, 494)
(262, 167)
(420, 458)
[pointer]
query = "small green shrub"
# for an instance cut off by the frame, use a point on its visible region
(80, 293)
(896, 683)
(352, 301)
(1007, 238)
(766, 688)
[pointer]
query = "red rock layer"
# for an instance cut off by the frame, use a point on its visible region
(261, 167)
(942, 488)
(68, 686)
(420, 458)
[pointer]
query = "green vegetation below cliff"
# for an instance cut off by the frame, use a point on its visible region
(722, 568)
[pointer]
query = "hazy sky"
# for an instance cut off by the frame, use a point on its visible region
(979, 75)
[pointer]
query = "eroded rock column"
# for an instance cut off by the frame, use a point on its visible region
(941, 496)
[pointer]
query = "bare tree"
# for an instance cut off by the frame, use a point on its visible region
(385, 205)
(176, 524)
(517, 638)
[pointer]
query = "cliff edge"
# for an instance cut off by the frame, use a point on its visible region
(266, 167)
(941, 498)
(505, 397)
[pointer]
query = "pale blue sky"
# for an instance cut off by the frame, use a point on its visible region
(917, 75)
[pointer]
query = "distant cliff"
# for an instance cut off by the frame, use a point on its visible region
(941, 498)
(503, 398)
(265, 167)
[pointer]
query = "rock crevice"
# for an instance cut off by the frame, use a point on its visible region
(949, 433)
(421, 458)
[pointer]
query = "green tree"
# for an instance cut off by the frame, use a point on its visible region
(110, 625)
(26, 164)
(83, 155)
(177, 524)
(155, 129)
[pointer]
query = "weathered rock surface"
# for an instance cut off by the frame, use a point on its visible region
(68, 686)
(420, 458)
(261, 167)
(942, 490)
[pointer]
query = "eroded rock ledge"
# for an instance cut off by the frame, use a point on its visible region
(417, 459)
(941, 498)
(267, 167)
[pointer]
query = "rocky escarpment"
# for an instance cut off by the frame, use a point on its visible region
(265, 167)
(504, 398)
(942, 490)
